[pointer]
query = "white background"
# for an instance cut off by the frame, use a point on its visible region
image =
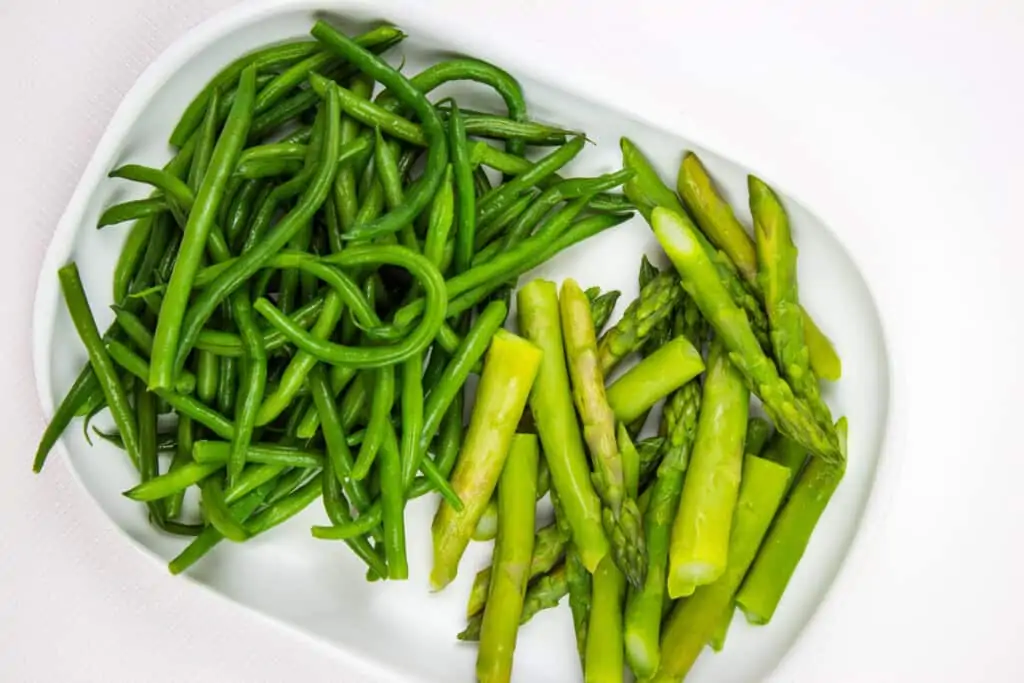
(912, 111)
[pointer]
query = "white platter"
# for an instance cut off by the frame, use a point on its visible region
(401, 630)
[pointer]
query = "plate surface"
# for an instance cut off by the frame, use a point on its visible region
(318, 587)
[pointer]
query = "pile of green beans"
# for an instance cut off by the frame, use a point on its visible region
(316, 273)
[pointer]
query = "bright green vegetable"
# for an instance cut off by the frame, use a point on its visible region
(654, 378)
(512, 559)
(623, 522)
(654, 305)
(719, 223)
(789, 536)
(552, 406)
(700, 533)
(693, 620)
(509, 371)
(791, 416)
(603, 661)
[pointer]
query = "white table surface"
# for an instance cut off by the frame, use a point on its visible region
(923, 99)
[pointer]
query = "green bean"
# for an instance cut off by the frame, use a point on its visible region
(132, 210)
(255, 382)
(498, 127)
(172, 482)
(421, 192)
(286, 508)
(172, 311)
(182, 455)
(375, 356)
(339, 455)
(131, 255)
(207, 377)
(493, 204)
(229, 344)
(210, 537)
(369, 114)
(390, 177)
(337, 511)
(473, 70)
(340, 377)
(392, 500)
(440, 220)
(293, 106)
(186, 405)
(465, 234)
(266, 58)
(380, 411)
(245, 266)
(99, 358)
(510, 215)
(258, 159)
(149, 468)
(252, 478)
(227, 386)
(85, 385)
(218, 513)
(206, 139)
(218, 452)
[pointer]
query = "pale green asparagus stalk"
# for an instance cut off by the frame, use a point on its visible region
(548, 549)
(717, 220)
(578, 580)
(645, 607)
(623, 522)
(545, 592)
(776, 257)
(790, 533)
(693, 620)
(791, 415)
(653, 306)
(487, 527)
(517, 491)
(603, 659)
(555, 418)
(654, 378)
(758, 432)
(646, 190)
(509, 370)
(700, 532)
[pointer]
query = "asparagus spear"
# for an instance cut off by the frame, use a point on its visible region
(509, 370)
(603, 656)
(791, 415)
(716, 218)
(644, 314)
(552, 409)
(700, 533)
(622, 519)
(788, 538)
(644, 607)
(693, 620)
(517, 491)
(787, 453)
(545, 592)
(777, 258)
(758, 431)
(653, 378)
(646, 191)
(602, 305)
(577, 578)
(487, 527)
(650, 451)
(548, 549)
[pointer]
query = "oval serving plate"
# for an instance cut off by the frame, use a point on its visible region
(317, 587)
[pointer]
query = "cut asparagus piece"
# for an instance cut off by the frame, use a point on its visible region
(654, 378)
(603, 661)
(509, 370)
(717, 220)
(692, 621)
(788, 538)
(700, 532)
(791, 415)
(517, 492)
(645, 607)
(622, 520)
(555, 418)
